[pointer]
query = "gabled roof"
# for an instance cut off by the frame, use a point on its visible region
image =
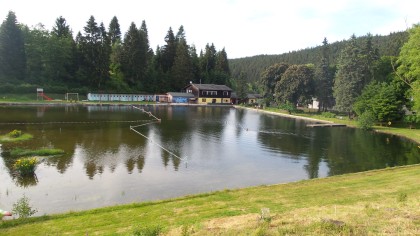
(176, 94)
(211, 87)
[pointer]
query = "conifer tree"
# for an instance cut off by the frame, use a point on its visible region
(132, 58)
(168, 51)
(114, 30)
(195, 63)
(12, 50)
(182, 71)
(94, 49)
(350, 78)
(324, 79)
(61, 29)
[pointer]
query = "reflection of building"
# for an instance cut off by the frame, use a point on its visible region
(209, 93)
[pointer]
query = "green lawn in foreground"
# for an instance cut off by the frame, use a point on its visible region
(381, 202)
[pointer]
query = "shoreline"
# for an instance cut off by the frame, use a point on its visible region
(329, 122)
(286, 115)
(237, 211)
(61, 103)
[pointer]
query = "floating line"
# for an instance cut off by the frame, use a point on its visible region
(74, 122)
(147, 112)
(157, 144)
(157, 120)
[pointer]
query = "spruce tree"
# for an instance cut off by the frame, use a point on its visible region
(114, 30)
(182, 71)
(94, 51)
(61, 29)
(62, 52)
(324, 79)
(131, 55)
(168, 51)
(12, 50)
(350, 78)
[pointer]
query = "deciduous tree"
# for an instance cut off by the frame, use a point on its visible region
(296, 85)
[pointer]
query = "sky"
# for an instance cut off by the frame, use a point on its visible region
(244, 28)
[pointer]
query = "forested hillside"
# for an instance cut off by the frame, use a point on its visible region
(101, 58)
(252, 67)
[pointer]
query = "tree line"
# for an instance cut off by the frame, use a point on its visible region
(388, 45)
(102, 59)
(362, 82)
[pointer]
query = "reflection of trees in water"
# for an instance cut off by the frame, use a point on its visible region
(285, 135)
(320, 139)
(345, 150)
(355, 150)
(25, 181)
(131, 163)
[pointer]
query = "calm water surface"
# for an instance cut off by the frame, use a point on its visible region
(108, 164)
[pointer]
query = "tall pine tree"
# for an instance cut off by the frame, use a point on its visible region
(114, 30)
(12, 50)
(350, 78)
(94, 51)
(324, 78)
(182, 71)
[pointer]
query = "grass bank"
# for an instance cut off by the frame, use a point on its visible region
(395, 129)
(8, 139)
(19, 152)
(383, 202)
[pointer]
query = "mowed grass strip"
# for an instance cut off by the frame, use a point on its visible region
(373, 202)
(19, 152)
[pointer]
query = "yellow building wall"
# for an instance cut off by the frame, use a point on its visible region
(210, 100)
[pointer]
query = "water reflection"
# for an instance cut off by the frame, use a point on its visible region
(25, 181)
(225, 148)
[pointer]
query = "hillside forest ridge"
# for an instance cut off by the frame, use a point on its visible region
(375, 78)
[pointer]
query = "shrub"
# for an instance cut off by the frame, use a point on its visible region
(328, 115)
(22, 208)
(15, 133)
(151, 230)
(26, 166)
(289, 107)
(366, 120)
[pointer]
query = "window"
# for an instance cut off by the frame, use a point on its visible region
(210, 93)
(225, 93)
(203, 100)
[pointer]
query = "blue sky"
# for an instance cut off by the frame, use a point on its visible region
(243, 27)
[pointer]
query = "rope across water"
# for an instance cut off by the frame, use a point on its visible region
(156, 120)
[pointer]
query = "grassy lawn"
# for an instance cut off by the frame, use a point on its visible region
(380, 202)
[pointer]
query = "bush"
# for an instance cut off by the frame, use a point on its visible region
(366, 120)
(22, 208)
(328, 115)
(26, 166)
(151, 230)
(15, 133)
(289, 107)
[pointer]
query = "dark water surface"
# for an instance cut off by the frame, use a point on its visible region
(108, 164)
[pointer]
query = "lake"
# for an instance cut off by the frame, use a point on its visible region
(193, 149)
